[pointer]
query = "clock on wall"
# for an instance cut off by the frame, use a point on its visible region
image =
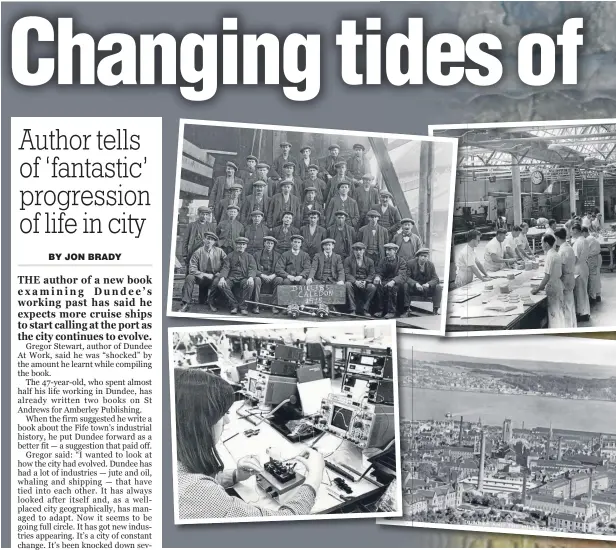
(536, 177)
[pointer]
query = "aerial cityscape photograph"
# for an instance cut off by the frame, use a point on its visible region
(510, 435)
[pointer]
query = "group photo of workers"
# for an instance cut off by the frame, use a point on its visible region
(277, 422)
(534, 228)
(259, 210)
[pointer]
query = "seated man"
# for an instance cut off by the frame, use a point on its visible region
(204, 269)
(238, 273)
(266, 278)
(294, 265)
(390, 278)
(423, 281)
(326, 266)
(230, 229)
(359, 275)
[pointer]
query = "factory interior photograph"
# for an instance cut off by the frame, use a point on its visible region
(534, 227)
(272, 422)
(276, 221)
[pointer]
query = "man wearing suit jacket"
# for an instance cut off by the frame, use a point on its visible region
(326, 266)
(313, 234)
(328, 164)
(343, 234)
(357, 166)
(285, 156)
(256, 201)
(304, 162)
(256, 232)
(423, 281)
(390, 215)
(359, 273)
(283, 202)
(294, 265)
(390, 279)
(195, 231)
(266, 279)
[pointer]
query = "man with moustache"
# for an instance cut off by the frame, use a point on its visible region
(408, 243)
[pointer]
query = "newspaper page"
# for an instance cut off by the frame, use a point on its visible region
(86, 347)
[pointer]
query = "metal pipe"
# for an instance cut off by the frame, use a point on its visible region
(543, 138)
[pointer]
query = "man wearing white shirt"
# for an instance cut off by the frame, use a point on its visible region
(522, 241)
(510, 246)
(467, 264)
(551, 228)
(493, 258)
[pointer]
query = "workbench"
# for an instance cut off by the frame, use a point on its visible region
(534, 316)
(607, 253)
(233, 447)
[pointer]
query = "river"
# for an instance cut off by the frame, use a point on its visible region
(533, 410)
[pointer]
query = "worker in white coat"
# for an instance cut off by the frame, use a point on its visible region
(594, 265)
(467, 263)
(582, 303)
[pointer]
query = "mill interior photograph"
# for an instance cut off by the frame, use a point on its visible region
(516, 187)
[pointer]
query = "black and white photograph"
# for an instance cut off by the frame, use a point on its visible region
(276, 222)
(534, 228)
(285, 422)
(517, 435)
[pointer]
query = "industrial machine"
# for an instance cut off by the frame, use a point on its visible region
(268, 389)
(370, 365)
(367, 425)
(369, 374)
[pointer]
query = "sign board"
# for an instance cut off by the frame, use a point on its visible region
(311, 295)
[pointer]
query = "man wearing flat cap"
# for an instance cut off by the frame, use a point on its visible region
(338, 179)
(301, 170)
(342, 233)
(266, 280)
(374, 236)
(366, 196)
(408, 243)
(328, 164)
(359, 273)
(313, 234)
(229, 229)
(193, 235)
(285, 156)
(283, 202)
(422, 280)
(294, 265)
(342, 201)
(256, 201)
(249, 174)
(390, 279)
(310, 204)
(288, 174)
(390, 215)
(204, 269)
(284, 232)
(237, 277)
(234, 199)
(255, 232)
(263, 174)
(357, 166)
(222, 185)
(326, 266)
(313, 180)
